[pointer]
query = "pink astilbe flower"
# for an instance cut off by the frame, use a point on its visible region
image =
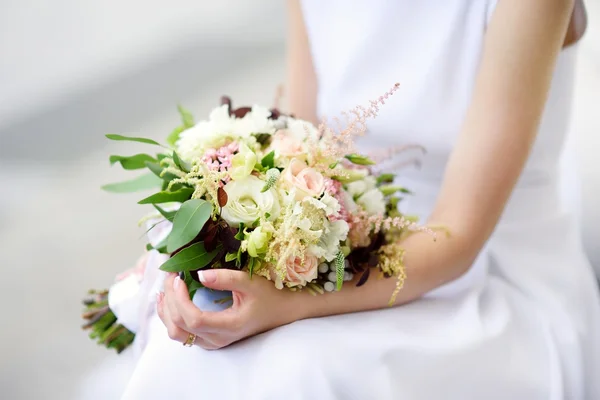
(342, 143)
(220, 159)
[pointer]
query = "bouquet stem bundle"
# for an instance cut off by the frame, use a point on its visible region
(102, 322)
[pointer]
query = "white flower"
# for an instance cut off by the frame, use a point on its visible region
(301, 130)
(255, 121)
(349, 202)
(246, 203)
(211, 134)
(257, 242)
(328, 203)
(372, 202)
(359, 187)
(329, 243)
(242, 163)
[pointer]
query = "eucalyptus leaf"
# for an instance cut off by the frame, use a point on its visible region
(137, 161)
(190, 259)
(142, 182)
(186, 117)
(230, 257)
(174, 135)
(169, 215)
(188, 222)
(157, 170)
(161, 246)
(179, 196)
(180, 163)
(113, 136)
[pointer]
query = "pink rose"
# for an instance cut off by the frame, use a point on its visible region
(300, 272)
(286, 145)
(307, 181)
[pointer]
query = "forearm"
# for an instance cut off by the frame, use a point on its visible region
(429, 264)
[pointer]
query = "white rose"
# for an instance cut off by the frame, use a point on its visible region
(246, 203)
(372, 202)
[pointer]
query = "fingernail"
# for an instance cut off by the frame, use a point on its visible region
(176, 283)
(207, 276)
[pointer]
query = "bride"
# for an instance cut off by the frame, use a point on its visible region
(505, 308)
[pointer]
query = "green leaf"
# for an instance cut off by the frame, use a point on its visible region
(333, 164)
(157, 170)
(388, 190)
(230, 257)
(359, 160)
(180, 196)
(385, 178)
(192, 284)
(112, 136)
(137, 161)
(251, 263)
(149, 247)
(240, 233)
(186, 117)
(174, 135)
(340, 266)
(190, 259)
(161, 246)
(262, 138)
(268, 161)
(188, 222)
(169, 215)
(142, 182)
(180, 163)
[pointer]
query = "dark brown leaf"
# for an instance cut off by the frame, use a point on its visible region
(241, 112)
(363, 277)
(222, 197)
(230, 243)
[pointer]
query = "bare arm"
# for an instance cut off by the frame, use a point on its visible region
(301, 79)
(520, 52)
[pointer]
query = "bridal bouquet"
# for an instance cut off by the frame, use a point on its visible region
(256, 190)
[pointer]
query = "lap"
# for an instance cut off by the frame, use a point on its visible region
(478, 345)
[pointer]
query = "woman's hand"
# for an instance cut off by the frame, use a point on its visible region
(257, 307)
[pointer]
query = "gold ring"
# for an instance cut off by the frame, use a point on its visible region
(191, 339)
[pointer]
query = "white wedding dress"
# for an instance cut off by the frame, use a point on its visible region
(523, 323)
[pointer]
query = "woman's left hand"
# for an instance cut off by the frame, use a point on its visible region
(257, 307)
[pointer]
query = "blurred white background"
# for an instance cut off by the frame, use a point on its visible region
(71, 71)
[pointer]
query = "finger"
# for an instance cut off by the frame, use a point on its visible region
(224, 279)
(174, 332)
(197, 320)
(171, 302)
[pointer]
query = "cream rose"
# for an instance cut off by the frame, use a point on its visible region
(286, 145)
(246, 201)
(307, 181)
(301, 271)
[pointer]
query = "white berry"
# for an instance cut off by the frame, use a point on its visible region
(332, 267)
(332, 277)
(329, 286)
(348, 276)
(323, 268)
